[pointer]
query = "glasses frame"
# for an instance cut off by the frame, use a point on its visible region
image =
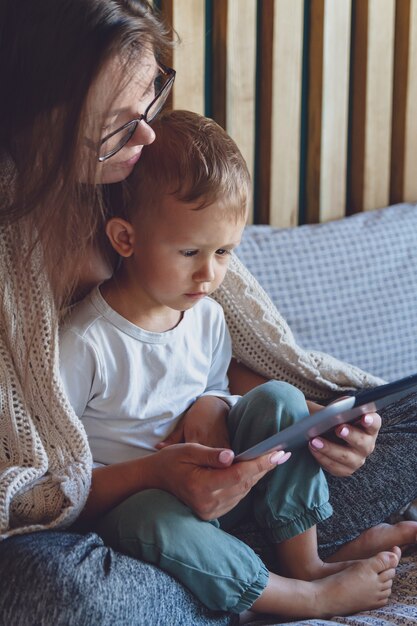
(133, 124)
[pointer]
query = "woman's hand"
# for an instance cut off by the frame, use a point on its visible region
(206, 479)
(359, 438)
(204, 422)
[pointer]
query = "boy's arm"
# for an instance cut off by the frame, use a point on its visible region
(204, 422)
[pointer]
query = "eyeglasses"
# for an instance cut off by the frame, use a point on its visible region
(112, 143)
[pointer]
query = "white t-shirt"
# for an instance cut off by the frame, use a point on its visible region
(131, 386)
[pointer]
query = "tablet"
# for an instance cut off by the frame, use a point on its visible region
(342, 411)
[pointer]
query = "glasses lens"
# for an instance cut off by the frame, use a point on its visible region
(117, 140)
(163, 86)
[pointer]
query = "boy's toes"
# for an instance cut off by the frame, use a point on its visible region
(386, 578)
(385, 560)
(397, 550)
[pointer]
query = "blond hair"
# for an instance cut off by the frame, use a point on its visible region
(193, 159)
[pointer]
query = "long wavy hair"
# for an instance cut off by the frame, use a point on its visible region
(51, 52)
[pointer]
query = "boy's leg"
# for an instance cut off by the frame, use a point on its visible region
(292, 498)
(221, 571)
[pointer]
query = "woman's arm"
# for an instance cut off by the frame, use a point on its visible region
(340, 459)
(205, 479)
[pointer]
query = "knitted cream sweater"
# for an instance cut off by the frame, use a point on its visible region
(45, 462)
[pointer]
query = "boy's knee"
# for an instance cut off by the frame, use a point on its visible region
(279, 396)
(267, 409)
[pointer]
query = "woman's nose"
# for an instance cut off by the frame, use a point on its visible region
(143, 135)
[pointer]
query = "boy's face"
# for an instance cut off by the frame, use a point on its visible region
(181, 255)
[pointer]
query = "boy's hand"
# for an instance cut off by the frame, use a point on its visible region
(204, 422)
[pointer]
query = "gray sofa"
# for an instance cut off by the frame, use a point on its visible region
(349, 288)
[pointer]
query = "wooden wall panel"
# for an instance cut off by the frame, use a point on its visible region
(188, 18)
(314, 110)
(320, 95)
(234, 72)
(372, 108)
(335, 110)
(264, 120)
(286, 93)
(241, 77)
(379, 103)
(410, 161)
(399, 101)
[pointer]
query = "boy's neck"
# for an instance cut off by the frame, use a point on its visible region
(131, 304)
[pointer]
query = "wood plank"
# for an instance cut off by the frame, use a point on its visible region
(263, 139)
(165, 8)
(188, 19)
(241, 77)
(410, 160)
(359, 71)
(314, 115)
(400, 86)
(284, 167)
(335, 109)
(380, 60)
(219, 61)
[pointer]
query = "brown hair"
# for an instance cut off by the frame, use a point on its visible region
(51, 52)
(195, 160)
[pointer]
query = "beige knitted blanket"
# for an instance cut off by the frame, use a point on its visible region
(45, 462)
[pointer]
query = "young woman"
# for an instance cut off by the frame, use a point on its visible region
(82, 81)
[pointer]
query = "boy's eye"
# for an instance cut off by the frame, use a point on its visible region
(222, 252)
(189, 252)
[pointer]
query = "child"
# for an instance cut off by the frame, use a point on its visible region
(148, 352)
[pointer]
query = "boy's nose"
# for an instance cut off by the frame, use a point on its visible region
(205, 273)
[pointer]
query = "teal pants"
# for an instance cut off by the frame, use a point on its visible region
(222, 571)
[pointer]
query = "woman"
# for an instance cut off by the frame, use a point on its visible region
(84, 80)
(75, 72)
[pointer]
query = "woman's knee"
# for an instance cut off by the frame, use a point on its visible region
(67, 579)
(57, 579)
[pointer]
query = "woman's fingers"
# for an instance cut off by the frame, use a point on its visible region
(207, 480)
(357, 443)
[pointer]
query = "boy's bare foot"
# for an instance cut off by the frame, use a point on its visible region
(377, 539)
(365, 585)
(362, 586)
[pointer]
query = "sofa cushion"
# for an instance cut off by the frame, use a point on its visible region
(347, 287)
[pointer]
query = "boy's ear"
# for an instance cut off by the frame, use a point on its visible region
(121, 235)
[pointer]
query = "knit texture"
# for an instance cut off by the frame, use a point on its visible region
(45, 462)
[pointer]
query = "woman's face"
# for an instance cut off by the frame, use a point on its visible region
(128, 105)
